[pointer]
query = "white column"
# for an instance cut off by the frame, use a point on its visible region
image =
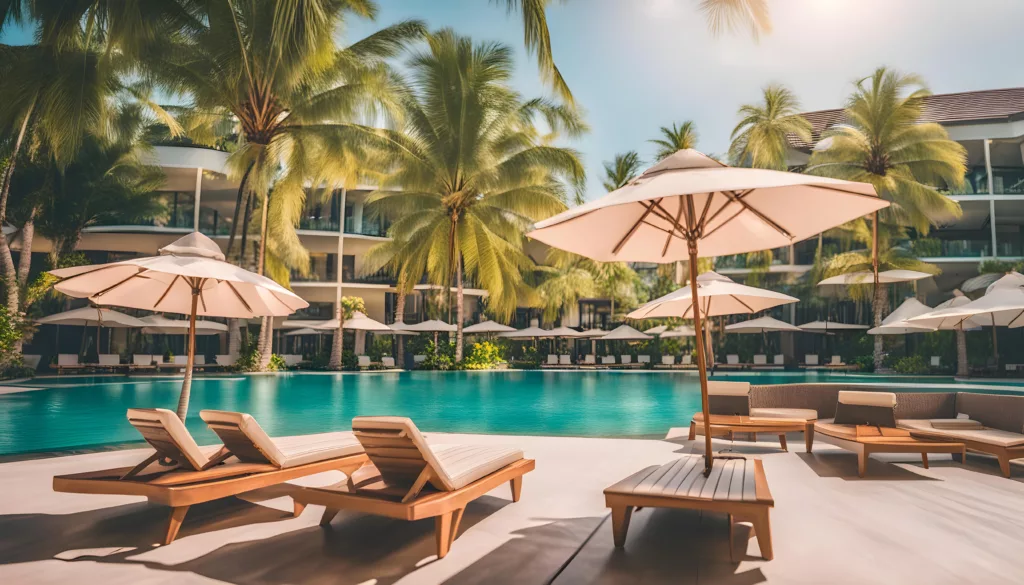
(988, 165)
(992, 224)
(198, 196)
(357, 217)
(341, 252)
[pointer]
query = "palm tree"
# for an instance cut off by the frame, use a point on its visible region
(883, 142)
(471, 171)
(622, 170)
(676, 138)
(275, 70)
(564, 279)
(760, 138)
(346, 309)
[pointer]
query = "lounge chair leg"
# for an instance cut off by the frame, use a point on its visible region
(693, 431)
(620, 524)
(732, 523)
(517, 487)
(329, 515)
(809, 438)
(443, 533)
(862, 463)
(1004, 465)
(456, 519)
(174, 524)
(297, 508)
(924, 460)
(782, 442)
(763, 532)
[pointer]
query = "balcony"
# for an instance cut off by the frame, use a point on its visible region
(951, 248)
(213, 222)
(780, 256)
(318, 223)
(1005, 181)
(379, 277)
(178, 213)
(322, 268)
(365, 227)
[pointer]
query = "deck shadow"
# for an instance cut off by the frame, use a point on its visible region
(843, 465)
(666, 546)
(131, 527)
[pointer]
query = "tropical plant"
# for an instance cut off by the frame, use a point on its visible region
(678, 137)
(471, 170)
(760, 139)
(348, 307)
(622, 170)
(884, 142)
(564, 279)
(483, 355)
(276, 71)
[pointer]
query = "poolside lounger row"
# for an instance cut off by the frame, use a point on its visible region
(70, 361)
(391, 470)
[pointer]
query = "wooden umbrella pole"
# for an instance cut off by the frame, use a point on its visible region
(186, 385)
(701, 364)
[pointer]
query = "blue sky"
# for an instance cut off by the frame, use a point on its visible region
(635, 65)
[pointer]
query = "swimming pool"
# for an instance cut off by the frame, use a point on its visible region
(78, 412)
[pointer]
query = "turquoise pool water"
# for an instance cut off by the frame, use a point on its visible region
(67, 413)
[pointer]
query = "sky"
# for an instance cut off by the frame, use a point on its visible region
(636, 65)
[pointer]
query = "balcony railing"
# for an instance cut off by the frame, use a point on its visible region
(951, 248)
(1005, 181)
(320, 224)
(366, 228)
(379, 277)
(780, 256)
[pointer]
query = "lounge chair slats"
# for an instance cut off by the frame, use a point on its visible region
(749, 484)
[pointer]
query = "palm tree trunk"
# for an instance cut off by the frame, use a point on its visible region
(266, 345)
(879, 308)
(337, 347)
(234, 337)
(6, 259)
(186, 385)
(961, 354)
(10, 275)
(460, 312)
(238, 208)
(9, 171)
(28, 232)
(400, 318)
(247, 217)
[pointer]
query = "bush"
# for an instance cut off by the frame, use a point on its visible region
(380, 347)
(865, 362)
(440, 357)
(914, 364)
(529, 361)
(277, 363)
(349, 361)
(483, 356)
(926, 247)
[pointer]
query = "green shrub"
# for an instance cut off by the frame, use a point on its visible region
(380, 347)
(277, 363)
(349, 361)
(865, 362)
(483, 356)
(440, 357)
(529, 361)
(926, 247)
(914, 364)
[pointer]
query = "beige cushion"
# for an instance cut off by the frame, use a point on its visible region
(109, 359)
(760, 360)
(982, 435)
(728, 388)
(247, 441)
(454, 466)
(142, 359)
(626, 359)
(793, 413)
(167, 434)
(732, 359)
(363, 361)
(860, 398)
(668, 360)
(67, 359)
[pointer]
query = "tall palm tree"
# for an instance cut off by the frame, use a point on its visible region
(275, 69)
(564, 279)
(883, 142)
(471, 170)
(760, 138)
(678, 137)
(622, 170)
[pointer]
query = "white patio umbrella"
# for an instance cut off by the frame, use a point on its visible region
(716, 298)
(625, 333)
(658, 330)
(530, 332)
(896, 322)
(487, 327)
(158, 324)
(690, 206)
(358, 322)
(948, 316)
(866, 277)
(190, 277)
(681, 331)
(830, 326)
(303, 331)
(90, 316)
(431, 326)
(760, 325)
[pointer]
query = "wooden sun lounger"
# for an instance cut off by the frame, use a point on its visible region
(865, 439)
(737, 487)
(410, 480)
(1004, 445)
(194, 475)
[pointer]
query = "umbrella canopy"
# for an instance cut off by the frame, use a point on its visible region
(625, 333)
(190, 277)
(431, 326)
(884, 277)
(896, 322)
(716, 297)
(1002, 306)
(690, 206)
(299, 323)
(91, 316)
(1009, 280)
(947, 316)
(157, 324)
(564, 332)
(826, 326)
(528, 333)
(358, 322)
(760, 325)
(657, 330)
(488, 327)
(681, 331)
(690, 197)
(304, 331)
(596, 332)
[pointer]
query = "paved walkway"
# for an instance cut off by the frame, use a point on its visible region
(902, 524)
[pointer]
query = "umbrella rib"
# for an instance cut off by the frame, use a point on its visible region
(719, 226)
(738, 300)
(166, 292)
(738, 198)
(113, 286)
(707, 207)
(668, 240)
(632, 230)
(237, 294)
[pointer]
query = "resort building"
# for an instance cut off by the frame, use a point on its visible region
(990, 126)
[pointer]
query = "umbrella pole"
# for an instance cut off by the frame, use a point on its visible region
(186, 385)
(701, 364)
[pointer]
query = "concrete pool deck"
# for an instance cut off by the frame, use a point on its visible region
(950, 524)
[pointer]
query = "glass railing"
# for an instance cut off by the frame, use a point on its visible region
(366, 228)
(975, 183)
(320, 224)
(212, 223)
(1008, 181)
(1010, 249)
(780, 256)
(942, 248)
(379, 277)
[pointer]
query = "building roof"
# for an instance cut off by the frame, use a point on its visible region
(966, 107)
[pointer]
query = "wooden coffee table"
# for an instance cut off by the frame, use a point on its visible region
(727, 425)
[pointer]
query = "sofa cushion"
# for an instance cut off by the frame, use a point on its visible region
(996, 437)
(795, 413)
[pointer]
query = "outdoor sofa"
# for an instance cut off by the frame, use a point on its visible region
(731, 412)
